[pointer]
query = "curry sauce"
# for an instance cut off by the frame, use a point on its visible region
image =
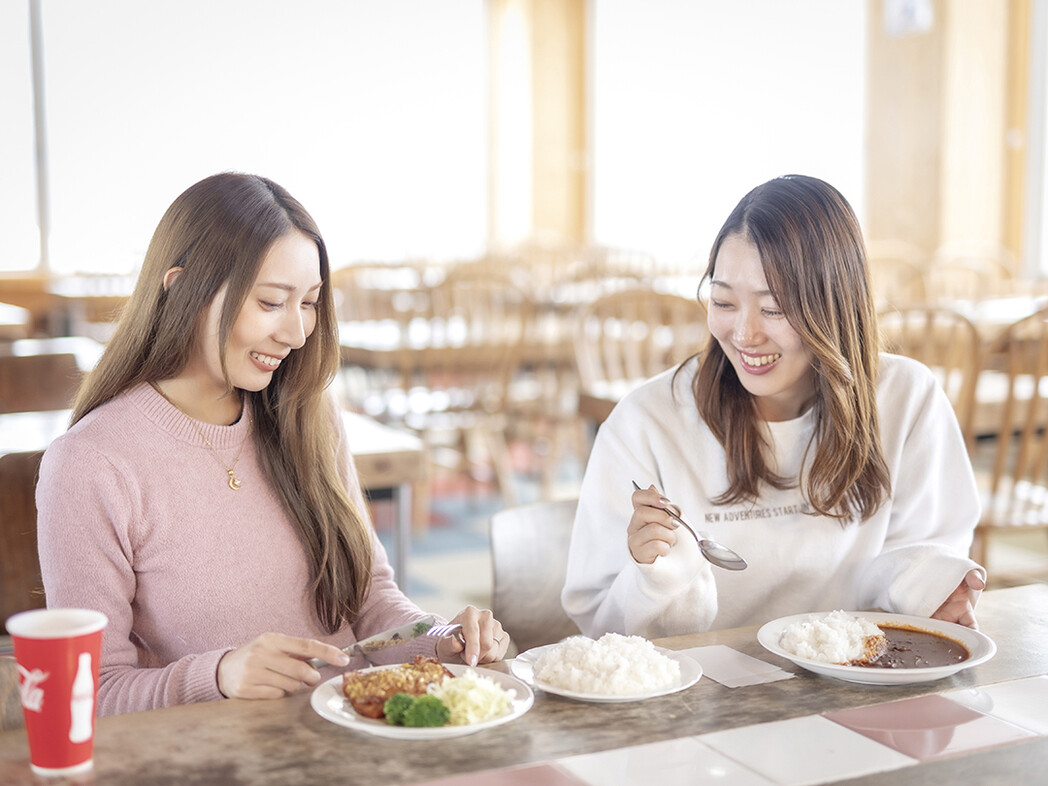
(911, 648)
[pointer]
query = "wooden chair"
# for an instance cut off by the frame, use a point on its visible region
(893, 248)
(944, 340)
(995, 255)
(387, 300)
(457, 383)
(616, 261)
(21, 586)
(1012, 466)
(897, 281)
(634, 334)
(30, 383)
(529, 558)
(968, 276)
(11, 716)
(375, 291)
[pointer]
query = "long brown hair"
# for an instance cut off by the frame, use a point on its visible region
(814, 258)
(218, 231)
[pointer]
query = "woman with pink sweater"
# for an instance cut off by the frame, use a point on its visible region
(205, 497)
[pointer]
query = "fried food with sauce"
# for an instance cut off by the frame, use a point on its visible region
(874, 648)
(368, 691)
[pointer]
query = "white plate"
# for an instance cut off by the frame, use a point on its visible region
(523, 667)
(981, 647)
(329, 703)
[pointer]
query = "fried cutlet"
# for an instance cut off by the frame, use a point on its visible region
(367, 691)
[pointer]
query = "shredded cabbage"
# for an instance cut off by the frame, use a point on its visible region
(473, 698)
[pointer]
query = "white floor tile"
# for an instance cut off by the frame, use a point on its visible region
(804, 751)
(682, 762)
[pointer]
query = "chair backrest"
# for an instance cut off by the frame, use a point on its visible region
(968, 278)
(1015, 463)
(29, 383)
(11, 716)
(895, 248)
(897, 281)
(480, 319)
(366, 292)
(944, 340)
(21, 586)
(529, 556)
(635, 334)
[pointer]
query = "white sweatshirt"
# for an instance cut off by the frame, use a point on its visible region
(907, 558)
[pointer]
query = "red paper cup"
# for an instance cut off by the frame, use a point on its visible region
(57, 651)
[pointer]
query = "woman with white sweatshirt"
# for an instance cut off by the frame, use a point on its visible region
(837, 472)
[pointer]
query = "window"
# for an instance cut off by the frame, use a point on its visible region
(18, 215)
(372, 114)
(696, 103)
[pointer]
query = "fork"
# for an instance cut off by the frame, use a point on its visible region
(443, 631)
(434, 631)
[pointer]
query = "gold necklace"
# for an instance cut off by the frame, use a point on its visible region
(234, 481)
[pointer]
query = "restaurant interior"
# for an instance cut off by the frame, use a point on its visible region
(518, 198)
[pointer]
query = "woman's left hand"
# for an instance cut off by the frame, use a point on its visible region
(486, 641)
(960, 606)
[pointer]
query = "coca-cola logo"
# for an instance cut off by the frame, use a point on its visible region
(29, 688)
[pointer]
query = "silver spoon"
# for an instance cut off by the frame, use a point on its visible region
(719, 555)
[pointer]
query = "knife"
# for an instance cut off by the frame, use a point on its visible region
(384, 640)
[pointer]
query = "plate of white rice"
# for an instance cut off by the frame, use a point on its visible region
(815, 641)
(613, 668)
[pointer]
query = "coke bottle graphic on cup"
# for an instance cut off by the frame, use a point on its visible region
(82, 701)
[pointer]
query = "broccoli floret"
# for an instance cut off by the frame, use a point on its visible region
(426, 710)
(420, 628)
(395, 707)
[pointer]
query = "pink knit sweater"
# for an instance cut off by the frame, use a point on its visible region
(137, 521)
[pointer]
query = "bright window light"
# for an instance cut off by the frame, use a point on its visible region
(373, 114)
(696, 103)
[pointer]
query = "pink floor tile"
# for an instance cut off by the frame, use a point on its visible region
(929, 727)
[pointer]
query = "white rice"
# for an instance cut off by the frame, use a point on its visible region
(837, 637)
(613, 665)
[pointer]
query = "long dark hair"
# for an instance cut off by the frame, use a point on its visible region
(814, 258)
(218, 231)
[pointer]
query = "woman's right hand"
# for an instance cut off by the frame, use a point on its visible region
(274, 665)
(652, 531)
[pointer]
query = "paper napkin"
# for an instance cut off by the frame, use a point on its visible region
(734, 669)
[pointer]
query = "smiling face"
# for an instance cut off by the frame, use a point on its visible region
(766, 352)
(278, 315)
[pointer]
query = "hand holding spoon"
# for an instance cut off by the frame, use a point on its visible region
(719, 555)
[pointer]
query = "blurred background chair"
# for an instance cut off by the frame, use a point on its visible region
(456, 381)
(626, 337)
(893, 248)
(1012, 464)
(21, 586)
(11, 716)
(635, 334)
(944, 340)
(957, 273)
(383, 311)
(898, 273)
(529, 559)
(29, 383)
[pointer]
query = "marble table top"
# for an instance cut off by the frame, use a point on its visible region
(285, 742)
